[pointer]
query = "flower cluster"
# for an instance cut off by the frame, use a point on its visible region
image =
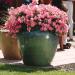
(34, 17)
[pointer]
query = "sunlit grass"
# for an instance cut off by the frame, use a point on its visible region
(24, 70)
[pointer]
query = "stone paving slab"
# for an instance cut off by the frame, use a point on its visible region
(64, 57)
(1, 55)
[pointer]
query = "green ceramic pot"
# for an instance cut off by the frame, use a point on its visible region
(0, 39)
(38, 48)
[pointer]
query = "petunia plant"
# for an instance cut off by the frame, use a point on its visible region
(32, 17)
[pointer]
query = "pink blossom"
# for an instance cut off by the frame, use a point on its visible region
(45, 17)
(28, 29)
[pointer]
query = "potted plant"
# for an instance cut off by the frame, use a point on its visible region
(8, 45)
(37, 27)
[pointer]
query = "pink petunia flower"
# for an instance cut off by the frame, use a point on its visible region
(31, 17)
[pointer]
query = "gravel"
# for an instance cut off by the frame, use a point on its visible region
(67, 67)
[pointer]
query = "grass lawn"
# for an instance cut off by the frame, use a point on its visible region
(23, 70)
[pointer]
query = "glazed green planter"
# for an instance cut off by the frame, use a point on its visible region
(0, 39)
(38, 48)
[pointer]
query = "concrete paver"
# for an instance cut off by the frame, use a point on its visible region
(1, 55)
(64, 57)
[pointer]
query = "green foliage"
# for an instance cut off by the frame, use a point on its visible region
(3, 6)
(3, 17)
(3, 12)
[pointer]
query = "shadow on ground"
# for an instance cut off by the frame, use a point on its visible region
(6, 61)
(23, 68)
